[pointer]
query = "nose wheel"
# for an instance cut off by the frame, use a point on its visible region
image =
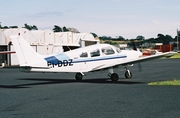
(128, 74)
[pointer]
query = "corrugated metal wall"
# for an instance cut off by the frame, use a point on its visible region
(45, 41)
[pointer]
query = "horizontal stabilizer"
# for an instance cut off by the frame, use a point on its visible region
(7, 52)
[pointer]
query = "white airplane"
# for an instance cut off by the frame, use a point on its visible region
(79, 61)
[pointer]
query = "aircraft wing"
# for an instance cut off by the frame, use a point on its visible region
(146, 58)
(133, 61)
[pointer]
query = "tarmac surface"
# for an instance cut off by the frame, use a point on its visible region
(58, 95)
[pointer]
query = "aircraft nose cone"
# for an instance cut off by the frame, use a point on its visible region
(140, 54)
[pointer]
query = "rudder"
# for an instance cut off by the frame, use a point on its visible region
(25, 53)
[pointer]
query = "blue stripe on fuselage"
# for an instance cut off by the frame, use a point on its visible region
(57, 58)
(98, 58)
(52, 60)
(61, 57)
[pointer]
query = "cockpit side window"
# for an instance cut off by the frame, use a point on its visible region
(84, 54)
(118, 50)
(95, 53)
(107, 51)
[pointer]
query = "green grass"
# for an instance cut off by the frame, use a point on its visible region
(170, 82)
(176, 56)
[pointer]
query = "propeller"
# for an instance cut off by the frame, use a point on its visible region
(139, 67)
(135, 48)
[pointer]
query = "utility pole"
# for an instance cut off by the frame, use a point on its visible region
(177, 40)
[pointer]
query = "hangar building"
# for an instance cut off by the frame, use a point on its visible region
(44, 42)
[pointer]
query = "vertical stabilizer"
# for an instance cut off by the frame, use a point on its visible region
(25, 53)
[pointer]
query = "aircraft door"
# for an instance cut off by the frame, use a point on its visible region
(84, 57)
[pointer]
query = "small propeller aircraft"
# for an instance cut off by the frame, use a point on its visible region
(79, 61)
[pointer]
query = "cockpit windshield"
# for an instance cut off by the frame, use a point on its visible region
(117, 49)
(107, 50)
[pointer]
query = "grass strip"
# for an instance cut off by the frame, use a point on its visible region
(175, 56)
(170, 82)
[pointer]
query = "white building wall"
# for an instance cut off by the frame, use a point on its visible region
(24, 33)
(66, 39)
(49, 37)
(57, 50)
(2, 36)
(45, 42)
(82, 37)
(43, 50)
(58, 38)
(8, 32)
(49, 49)
(36, 37)
(46, 37)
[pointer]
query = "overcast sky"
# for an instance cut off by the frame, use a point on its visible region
(127, 18)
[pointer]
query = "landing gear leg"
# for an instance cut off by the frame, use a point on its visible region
(114, 76)
(79, 76)
(128, 74)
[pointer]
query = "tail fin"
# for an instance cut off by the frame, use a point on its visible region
(25, 53)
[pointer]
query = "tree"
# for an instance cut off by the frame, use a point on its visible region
(74, 30)
(160, 36)
(120, 38)
(57, 28)
(139, 37)
(105, 38)
(167, 39)
(65, 29)
(95, 35)
(29, 27)
(34, 27)
(13, 26)
(5, 27)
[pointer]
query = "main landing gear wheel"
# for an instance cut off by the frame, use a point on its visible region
(128, 74)
(114, 77)
(78, 76)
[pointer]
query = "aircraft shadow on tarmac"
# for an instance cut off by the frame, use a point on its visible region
(62, 81)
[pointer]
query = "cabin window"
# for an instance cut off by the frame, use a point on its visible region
(95, 53)
(84, 54)
(117, 49)
(107, 51)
